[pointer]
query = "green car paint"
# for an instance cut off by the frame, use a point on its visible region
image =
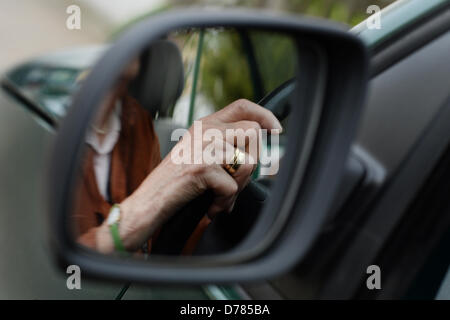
(395, 18)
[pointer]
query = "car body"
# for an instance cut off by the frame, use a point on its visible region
(391, 161)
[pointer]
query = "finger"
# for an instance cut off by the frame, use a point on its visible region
(224, 188)
(245, 136)
(246, 110)
(243, 175)
(218, 152)
(244, 130)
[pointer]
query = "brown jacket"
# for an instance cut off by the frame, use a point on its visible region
(134, 156)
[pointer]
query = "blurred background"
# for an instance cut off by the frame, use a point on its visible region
(34, 27)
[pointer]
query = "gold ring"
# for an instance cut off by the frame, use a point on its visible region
(238, 159)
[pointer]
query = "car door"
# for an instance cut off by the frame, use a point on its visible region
(395, 154)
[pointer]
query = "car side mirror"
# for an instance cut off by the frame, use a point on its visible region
(311, 74)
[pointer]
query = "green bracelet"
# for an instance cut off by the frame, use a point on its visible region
(113, 223)
(118, 245)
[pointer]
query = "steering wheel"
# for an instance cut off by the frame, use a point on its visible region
(217, 237)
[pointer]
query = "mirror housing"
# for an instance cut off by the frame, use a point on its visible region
(305, 188)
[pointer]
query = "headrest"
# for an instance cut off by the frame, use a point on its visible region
(160, 80)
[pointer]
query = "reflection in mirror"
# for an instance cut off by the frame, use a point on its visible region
(184, 148)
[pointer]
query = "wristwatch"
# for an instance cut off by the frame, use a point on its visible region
(113, 224)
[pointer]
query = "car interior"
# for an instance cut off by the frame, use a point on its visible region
(161, 61)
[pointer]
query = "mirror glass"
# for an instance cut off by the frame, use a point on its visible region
(185, 148)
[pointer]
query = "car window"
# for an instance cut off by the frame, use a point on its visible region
(216, 73)
(275, 56)
(223, 65)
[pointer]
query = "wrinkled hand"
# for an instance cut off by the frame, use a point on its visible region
(171, 185)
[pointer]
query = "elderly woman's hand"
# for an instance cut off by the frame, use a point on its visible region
(174, 183)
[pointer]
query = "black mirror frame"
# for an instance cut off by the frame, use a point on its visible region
(344, 89)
